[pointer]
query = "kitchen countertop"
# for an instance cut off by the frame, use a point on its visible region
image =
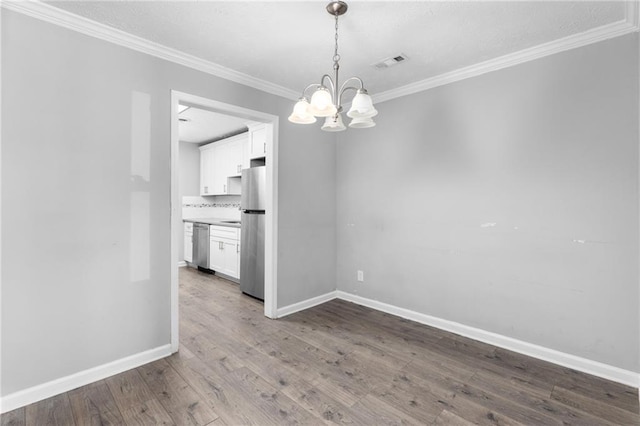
(214, 221)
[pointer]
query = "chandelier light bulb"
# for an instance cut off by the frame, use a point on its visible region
(362, 106)
(333, 124)
(300, 114)
(362, 123)
(322, 104)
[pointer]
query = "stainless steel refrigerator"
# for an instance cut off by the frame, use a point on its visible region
(252, 204)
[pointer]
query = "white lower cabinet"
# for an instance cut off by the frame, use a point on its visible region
(188, 242)
(224, 250)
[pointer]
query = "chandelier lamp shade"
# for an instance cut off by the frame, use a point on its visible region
(326, 96)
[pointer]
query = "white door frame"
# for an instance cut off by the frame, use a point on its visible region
(271, 213)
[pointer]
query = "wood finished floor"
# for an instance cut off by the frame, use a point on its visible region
(336, 363)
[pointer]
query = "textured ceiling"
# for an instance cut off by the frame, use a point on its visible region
(291, 43)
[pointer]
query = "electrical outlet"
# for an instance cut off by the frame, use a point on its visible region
(361, 276)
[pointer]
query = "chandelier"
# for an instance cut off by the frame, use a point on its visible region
(326, 100)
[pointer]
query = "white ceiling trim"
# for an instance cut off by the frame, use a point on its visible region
(86, 26)
(60, 17)
(628, 25)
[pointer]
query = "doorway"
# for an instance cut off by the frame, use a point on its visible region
(271, 213)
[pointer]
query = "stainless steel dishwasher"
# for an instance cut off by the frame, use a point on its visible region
(201, 245)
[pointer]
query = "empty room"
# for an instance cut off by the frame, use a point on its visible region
(313, 212)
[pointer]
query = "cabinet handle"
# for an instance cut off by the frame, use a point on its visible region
(220, 246)
(225, 188)
(206, 189)
(264, 147)
(239, 168)
(237, 248)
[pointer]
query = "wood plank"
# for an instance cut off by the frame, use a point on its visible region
(349, 374)
(616, 394)
(532, 398)
(319, 403)
(475, 413)
(447, 418)
(217, 393)
(219, 352)
(436, 374)
(180, 401)
(149, 412)
(54, 411)
(135, 401)
(393, 343)
(219, 422)
(597, 408)
(373, 411)
(545, 375)
(417, 399)
(257, 395)
(128, 389)
(341, 346)
(496, 404)
(285, 355)
(13, 418)
(94, 405)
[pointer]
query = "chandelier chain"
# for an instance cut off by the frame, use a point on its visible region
(336, 57)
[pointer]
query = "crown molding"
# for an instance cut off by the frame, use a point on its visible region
(628, 25)
(632, 13)
(56, 16)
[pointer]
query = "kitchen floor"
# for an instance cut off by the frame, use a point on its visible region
(335, 363)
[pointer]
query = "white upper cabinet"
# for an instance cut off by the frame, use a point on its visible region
(235, 163)
(206, 169)
(221, 165)
(258, 141)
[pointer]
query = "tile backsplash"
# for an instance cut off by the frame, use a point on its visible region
(222, 207)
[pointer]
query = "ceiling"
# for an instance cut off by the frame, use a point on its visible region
(290, 44)
(199, 126)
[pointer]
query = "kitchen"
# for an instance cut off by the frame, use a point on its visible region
(222, 173)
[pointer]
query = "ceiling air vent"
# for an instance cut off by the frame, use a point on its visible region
(389, 62)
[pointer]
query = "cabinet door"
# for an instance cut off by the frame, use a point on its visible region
(216, 257)
(246, 153)
(220, 169)
(206, 171)
(258, 138)
(188, 247)
(234, 160)
(239, 249)
(223, 256)
(231, 254)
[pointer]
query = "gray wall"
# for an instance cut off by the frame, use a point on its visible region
(85, 199)
(189, 169)
(507, 202)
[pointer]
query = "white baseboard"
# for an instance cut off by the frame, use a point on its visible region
(595, 368)
(65, 384)
(305, 304)
(182, 263)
